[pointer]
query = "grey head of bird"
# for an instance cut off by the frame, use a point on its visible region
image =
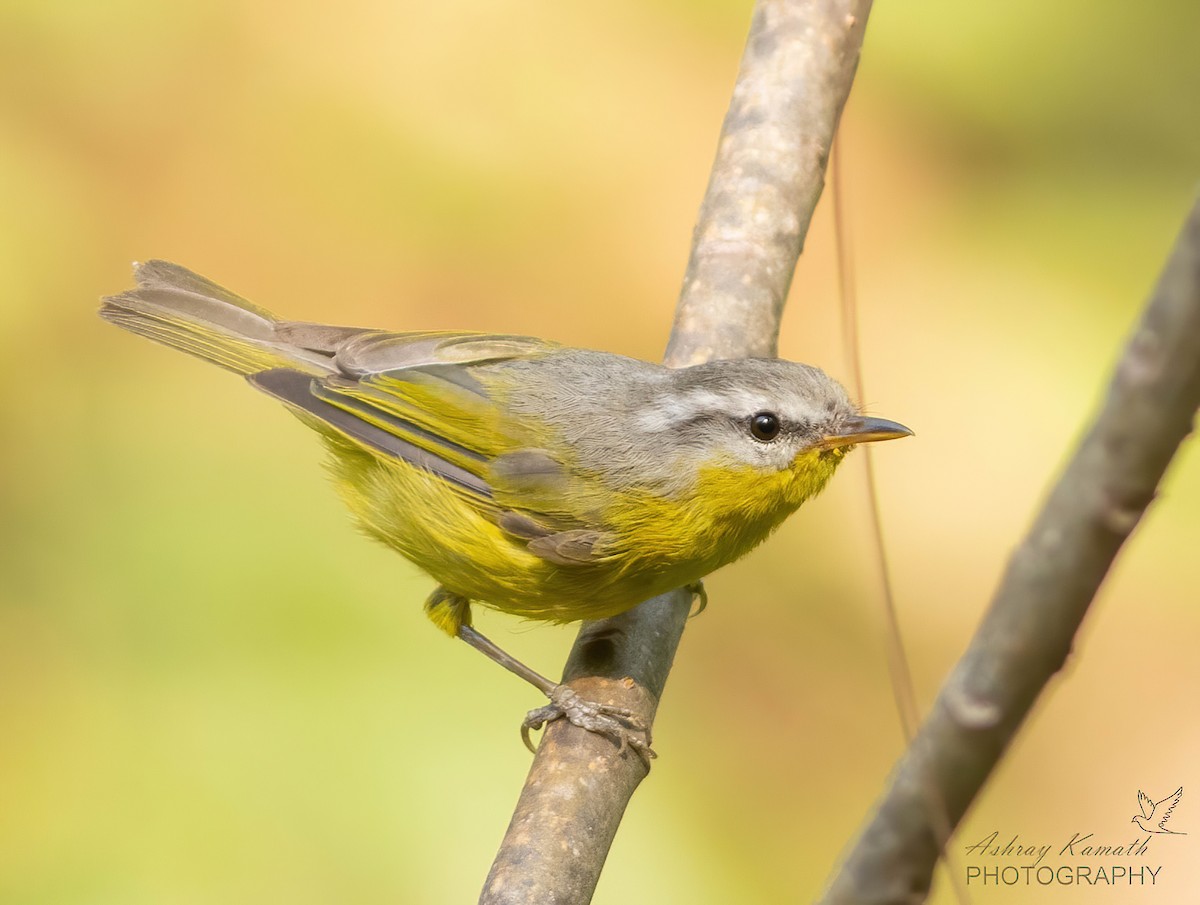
(634, 424)
(762, 413)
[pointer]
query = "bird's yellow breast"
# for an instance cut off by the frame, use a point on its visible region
(729, 510)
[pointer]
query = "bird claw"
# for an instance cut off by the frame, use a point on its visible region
(699, 597)
(620, 724)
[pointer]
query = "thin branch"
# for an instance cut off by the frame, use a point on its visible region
(795, 76)
(1028, 631)
(796, 73)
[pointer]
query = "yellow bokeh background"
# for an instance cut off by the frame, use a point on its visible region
(213, 690)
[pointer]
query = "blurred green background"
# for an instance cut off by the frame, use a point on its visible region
(213, 690)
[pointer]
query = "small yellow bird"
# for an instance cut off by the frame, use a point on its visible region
(544, 481)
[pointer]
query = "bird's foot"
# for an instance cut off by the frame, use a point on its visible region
(699, 597)
(620, 724)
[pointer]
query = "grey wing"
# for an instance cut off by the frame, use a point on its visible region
(412, 396)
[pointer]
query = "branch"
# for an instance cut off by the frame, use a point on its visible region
(795, 76)
(1050, 582)
(770, 168)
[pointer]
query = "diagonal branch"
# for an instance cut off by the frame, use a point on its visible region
(1028, 632)
(795, 76)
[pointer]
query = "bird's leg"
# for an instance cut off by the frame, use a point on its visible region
(452, 613)
(618, 723)
(505, 659)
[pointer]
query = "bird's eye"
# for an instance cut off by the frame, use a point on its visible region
(764, 426)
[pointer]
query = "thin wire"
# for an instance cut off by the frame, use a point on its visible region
(903, 688)
(898, 666)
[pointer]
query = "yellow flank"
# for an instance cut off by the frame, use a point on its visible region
(659, 543)
(467, 553)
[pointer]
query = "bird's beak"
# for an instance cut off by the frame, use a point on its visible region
(864, 430)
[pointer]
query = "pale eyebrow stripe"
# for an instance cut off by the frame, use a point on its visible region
(698, 404)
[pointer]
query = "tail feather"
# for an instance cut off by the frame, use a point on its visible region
(181, 309)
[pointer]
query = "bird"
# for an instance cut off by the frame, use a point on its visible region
(1155, 814)
(545, 481)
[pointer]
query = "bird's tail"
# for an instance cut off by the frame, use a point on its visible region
(181, 309)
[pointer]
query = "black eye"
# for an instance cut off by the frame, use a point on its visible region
(764, 426)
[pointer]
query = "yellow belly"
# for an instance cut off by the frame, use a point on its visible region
(654, 544)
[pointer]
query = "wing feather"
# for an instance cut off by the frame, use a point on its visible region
(296, 389)
(378, 352)
(568, 548)
(424, 398)
(437, 400)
